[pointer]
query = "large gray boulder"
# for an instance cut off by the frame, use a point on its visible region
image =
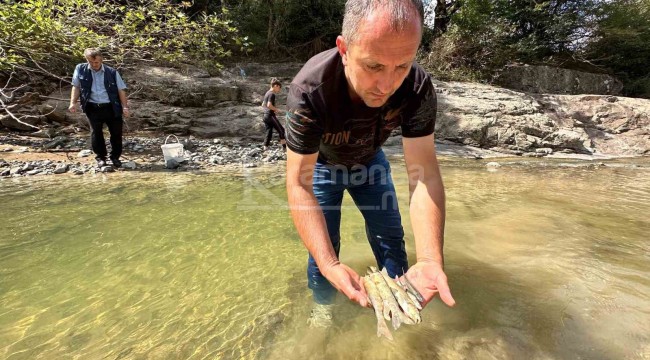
(553, 80)
(492, 117)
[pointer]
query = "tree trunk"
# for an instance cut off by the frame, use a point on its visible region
(270, 31)
(444, 10)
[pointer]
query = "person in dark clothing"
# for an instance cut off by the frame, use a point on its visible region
(103, 100)
(341, 107)
(270, 120)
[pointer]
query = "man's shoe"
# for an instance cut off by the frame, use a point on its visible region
(116, 163)
(101, 163)
(321, 316)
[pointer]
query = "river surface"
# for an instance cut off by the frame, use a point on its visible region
(546, 260)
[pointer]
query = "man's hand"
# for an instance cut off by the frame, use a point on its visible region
(125, 112)
(429, 279)
(347, 281)
(73, 107)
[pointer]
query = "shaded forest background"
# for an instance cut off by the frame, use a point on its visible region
(466, 40)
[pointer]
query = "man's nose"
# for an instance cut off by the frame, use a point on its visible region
(385, 82)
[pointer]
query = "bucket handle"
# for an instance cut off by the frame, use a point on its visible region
(173, 136)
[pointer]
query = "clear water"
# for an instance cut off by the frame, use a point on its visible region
(544, 261)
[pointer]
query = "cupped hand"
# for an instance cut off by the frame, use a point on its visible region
(347, 281)
(429, 279)
(72, 108)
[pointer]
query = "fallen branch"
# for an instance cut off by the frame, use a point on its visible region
(52, 98)
(4, 107)
(9, 98)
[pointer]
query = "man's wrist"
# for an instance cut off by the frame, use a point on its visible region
(431, 260)
(328, 265)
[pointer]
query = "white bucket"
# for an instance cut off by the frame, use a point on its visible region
(173, 151)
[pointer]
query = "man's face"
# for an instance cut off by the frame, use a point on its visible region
(379, 60)
(95, 63)
(277, 89)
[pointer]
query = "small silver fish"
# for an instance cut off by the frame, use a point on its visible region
(411, 289)
(378, 305)
(415, 300)
(403, 299)
(397, 317)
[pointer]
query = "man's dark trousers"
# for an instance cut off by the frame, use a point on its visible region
(371, 187)
(271, 122)
(98, 115)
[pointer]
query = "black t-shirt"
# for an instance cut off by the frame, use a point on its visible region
(269, 97)
(322, 118)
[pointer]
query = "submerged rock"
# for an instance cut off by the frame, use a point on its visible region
(131, 165)
(171, 164)
(61, 168)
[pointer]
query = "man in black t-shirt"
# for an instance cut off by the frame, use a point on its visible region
(342, 106)
(270, 120)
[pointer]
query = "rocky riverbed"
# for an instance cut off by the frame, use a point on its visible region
(29, 156)
(23, 156)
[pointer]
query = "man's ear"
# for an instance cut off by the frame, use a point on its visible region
(343, 49)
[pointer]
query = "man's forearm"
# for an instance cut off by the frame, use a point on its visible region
(310, 223)
(123, 100)
(74, 95)
(273, 107)
(427, 209)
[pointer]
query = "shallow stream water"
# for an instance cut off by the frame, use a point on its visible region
(546, 260)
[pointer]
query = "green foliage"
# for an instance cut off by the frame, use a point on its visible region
(45, 34)
(298, 28)
(621, 43)
(604, 36)
(542, 28)
(473, 47)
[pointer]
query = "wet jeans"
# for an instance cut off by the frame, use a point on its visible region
(371, 188)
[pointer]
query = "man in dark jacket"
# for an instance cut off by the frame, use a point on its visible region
(103, 100)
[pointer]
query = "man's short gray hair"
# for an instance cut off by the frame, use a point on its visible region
(93, 53)
(400, 11)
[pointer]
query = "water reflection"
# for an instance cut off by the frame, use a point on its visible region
(545, 262)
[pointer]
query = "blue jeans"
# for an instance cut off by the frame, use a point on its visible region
(371, 188)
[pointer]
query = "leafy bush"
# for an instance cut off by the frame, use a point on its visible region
(588, 35)
(44, 35)
(285, 29)
(621, 43)
(474, 47)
